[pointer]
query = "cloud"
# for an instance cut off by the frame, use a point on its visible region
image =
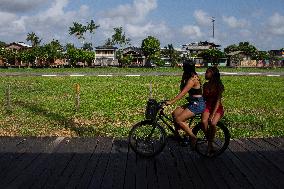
(233, 22)
(276, 24)
(132, 17)
(128, 13)
(192, 31)
(52, 23)
(20, 6)
(202, 18)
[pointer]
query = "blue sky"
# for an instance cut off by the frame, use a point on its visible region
(177, 22)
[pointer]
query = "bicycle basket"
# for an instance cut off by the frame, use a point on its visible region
(151, 109)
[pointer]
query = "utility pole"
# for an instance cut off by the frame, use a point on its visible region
(213, 20)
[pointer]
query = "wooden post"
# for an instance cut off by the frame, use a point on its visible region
(150, 94)
(8, 98)
(77, 96)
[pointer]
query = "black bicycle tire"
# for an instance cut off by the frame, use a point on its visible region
(227, 135)
(148, 122)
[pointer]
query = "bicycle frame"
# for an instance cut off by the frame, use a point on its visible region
(165, 119)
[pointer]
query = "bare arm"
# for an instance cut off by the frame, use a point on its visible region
(185, 90)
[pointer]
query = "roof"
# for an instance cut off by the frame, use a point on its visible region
(105, 47)
(234, 53)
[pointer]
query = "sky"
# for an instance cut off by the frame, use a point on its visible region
(177, 22)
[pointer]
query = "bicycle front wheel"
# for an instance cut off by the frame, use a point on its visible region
(147, 138)
(220, 142)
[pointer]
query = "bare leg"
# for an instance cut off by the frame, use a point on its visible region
(204, 122)
(175, 114)
(212, 131)
(182, 121)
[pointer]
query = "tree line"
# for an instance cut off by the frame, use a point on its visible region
(150, 46)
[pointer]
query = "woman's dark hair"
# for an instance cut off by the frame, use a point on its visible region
(215, 82)
(188, 72)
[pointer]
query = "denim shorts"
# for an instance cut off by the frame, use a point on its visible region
(196, 105)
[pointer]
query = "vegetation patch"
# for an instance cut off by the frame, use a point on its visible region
(109, 106)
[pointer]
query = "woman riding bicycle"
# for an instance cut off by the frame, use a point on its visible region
(212, 93)
(190, 84)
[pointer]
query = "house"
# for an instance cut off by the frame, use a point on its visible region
(192, 50)
(241, 59)
(278, 57)
(105, 56)
(18, 46)
(197, 47)
(138, 58)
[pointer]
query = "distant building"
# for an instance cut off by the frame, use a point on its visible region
(18, 46)
(105, 56)
(138, 58)
(198, 47)
(240, 58)
(192, 50)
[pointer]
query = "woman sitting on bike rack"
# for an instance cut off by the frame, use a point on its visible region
(191, 84)
(212, 93)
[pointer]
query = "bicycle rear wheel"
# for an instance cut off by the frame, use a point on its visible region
(147, 138)
(220, 142)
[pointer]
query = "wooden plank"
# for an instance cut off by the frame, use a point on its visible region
(161, 171)
(270, 167)
(234, 175)
(53, 166)
(119, 160)
(247, 164)
(84, 151)
(186, 175)
(140, 173)
(12, 149)
(129, 179)
(19, 171)
(269, 152)
(92, 164)
(276, 142)
(115, 170)
(101, 157)
(201, 170)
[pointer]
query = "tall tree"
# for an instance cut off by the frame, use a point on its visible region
(212, 55)
(151, 48)
(34, 39)
(172, 54)
(245, 47)
(78, 30)
(92, 27)
(118, 38)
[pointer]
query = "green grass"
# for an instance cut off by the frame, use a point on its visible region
(111, 105)
(104, 70)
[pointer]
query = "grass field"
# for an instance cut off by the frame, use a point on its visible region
(109, 106)
(104, 70)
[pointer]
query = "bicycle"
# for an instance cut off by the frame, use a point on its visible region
(148, 138)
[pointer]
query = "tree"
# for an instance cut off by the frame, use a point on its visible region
(245, 47)
(231, 48)
(78, 30)
(2, 44)
(118, 38)
(34, 39)
(151, 48)
(87, 46)
(212, 55)
(53, 50)
(92, 27)
(172, 54)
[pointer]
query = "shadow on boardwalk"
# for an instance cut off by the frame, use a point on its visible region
(108, 163)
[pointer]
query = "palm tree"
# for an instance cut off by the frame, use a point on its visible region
(92, 28)
(34, 39)
(79, 30)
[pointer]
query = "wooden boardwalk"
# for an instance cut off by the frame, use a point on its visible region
(109, 163)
